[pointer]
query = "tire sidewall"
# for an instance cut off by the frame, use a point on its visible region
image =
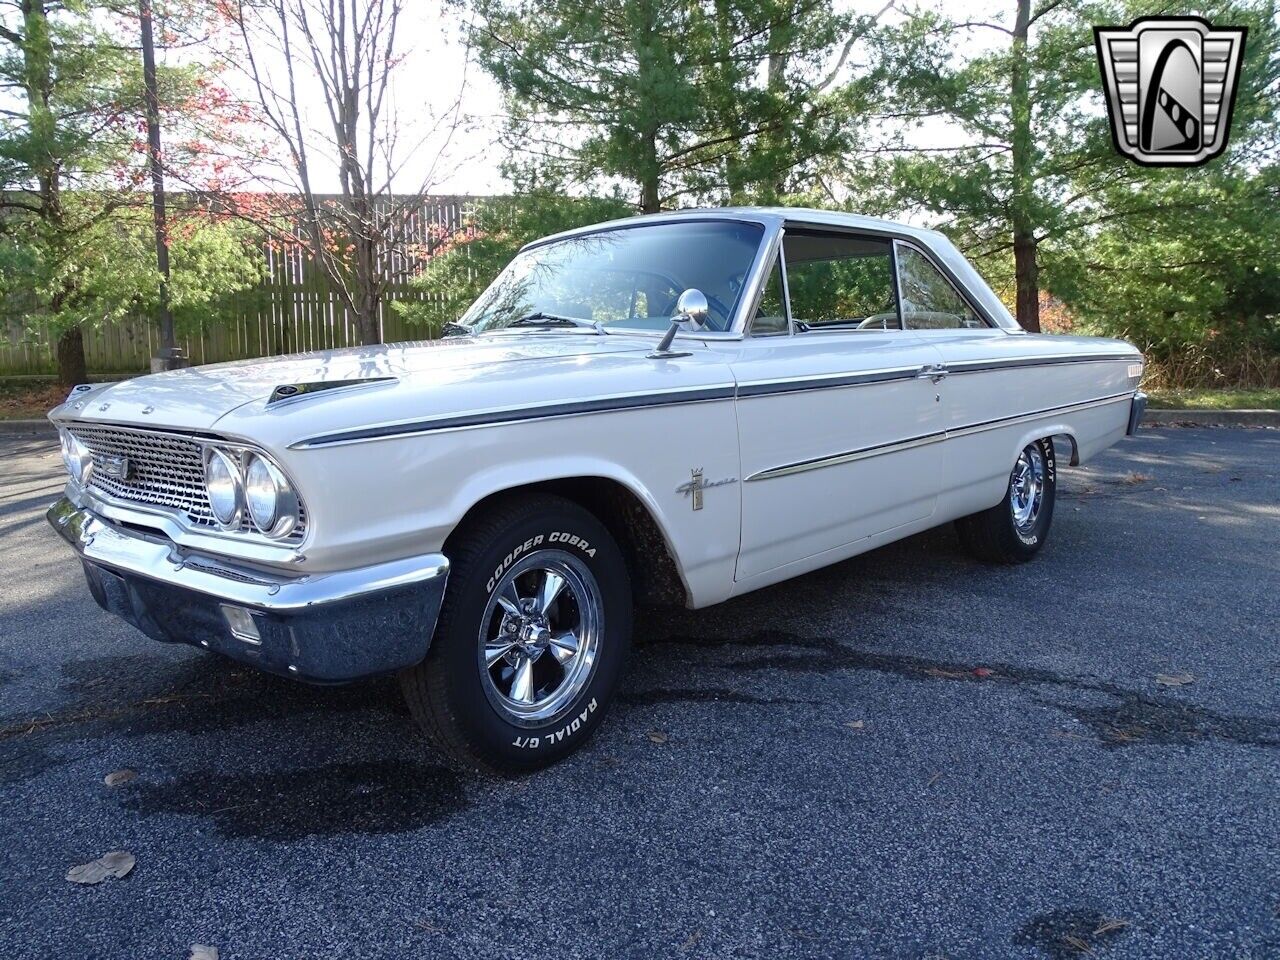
(455, 649)
(1029, 542)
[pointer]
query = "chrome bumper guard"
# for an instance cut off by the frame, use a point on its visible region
(1136, 411)
(323, 627)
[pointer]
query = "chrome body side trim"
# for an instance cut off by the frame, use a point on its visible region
(862, 453)
(521, 414)
(818, 463)
(979, 366)
(1037, 414)
(120, 549)
(763, 388)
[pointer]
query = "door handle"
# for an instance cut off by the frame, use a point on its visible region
(932, 371)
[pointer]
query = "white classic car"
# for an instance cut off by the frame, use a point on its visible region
(672, 408)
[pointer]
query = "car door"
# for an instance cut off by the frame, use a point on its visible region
(992, 381)
(839, 420)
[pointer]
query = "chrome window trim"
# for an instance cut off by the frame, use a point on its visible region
(841, 328)
(777, 256)
(897, 236)
(751, 288)
(897, 284)
(861, 453)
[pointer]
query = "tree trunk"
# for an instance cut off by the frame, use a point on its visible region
(1027, 279)
(1022, 198)
(71, 364)
(367, 288)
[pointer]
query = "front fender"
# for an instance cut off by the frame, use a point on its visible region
(399, 497)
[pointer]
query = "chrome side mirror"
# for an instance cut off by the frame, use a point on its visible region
(691, 308)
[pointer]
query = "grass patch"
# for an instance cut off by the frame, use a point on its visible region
(1213, 399)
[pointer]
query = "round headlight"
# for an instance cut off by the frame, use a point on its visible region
(272, 503)
(76, 457)
(224, 487)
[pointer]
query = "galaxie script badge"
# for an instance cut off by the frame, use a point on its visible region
(1170, 86)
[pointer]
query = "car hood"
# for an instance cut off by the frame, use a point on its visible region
(196, 398)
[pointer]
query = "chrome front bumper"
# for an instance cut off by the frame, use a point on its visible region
(324, 627)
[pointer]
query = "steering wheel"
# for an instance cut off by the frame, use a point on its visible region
(878, 321)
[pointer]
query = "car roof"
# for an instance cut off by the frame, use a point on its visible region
(769, 216)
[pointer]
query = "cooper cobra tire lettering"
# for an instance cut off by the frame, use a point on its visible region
(573, 540)
(511, 558)
(449, 693)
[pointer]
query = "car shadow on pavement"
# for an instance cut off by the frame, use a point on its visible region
(389, 786)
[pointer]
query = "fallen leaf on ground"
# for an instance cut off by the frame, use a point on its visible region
(982, 671)
(117, 863)
(1076, 943)
(657, 736)
(117, 777)
(1136, 478)
(1110, 925)
(691, 941)
(200, 951)
(856, 724)
(1174, 679)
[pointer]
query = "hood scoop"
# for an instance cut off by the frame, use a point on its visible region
(288, 392)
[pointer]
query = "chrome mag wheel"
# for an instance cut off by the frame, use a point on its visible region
(539, 637)
(1027, 488)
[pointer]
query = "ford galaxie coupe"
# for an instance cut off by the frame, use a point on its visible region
(673, 408)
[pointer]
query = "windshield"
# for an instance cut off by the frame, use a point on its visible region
(628, 277)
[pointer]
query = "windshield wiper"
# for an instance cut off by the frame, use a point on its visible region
(451, 329)
(542, 319)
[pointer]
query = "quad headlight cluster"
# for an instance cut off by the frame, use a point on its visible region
(246, 482)
(76, 457)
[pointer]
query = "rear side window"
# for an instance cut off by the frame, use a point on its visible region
(836, 280)
(929, 301)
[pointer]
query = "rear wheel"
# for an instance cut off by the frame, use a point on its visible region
(1014, 530)
(535, 626)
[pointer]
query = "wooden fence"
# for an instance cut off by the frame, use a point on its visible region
(292, 310)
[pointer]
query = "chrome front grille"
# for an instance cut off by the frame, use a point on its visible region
(164, 470)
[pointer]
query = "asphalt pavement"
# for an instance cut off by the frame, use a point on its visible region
(910, 754)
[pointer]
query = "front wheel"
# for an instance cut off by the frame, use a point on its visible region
(1014, 530)
(532, 635)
